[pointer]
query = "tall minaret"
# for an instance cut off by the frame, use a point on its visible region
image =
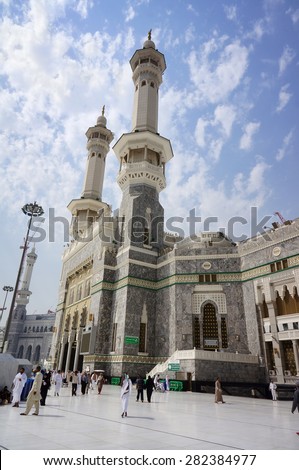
(143, 153)
(86, 209)
(19, 314)
(24, 293)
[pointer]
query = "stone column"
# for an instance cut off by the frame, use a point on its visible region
(278, 351)
(69, 351)
(296, 355)
(63, 344)
(77, 352)
(276, 344)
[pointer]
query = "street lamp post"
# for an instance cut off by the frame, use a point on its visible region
(6, 289)
(32, 210)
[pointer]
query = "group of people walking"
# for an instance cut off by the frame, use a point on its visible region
(42, 382)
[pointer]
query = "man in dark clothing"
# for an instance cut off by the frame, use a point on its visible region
(140, 386)
(46, 383)
(149, 388)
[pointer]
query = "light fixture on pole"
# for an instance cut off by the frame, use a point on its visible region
(32, 210)
(6, 289)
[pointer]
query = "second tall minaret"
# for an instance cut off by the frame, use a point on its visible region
(147, 65)
(87, 209)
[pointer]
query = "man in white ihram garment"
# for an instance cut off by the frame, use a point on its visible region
(57, 382)
(18, 385)
(125, 392)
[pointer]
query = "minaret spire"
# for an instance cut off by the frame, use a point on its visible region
(86, 209)
(24, 293)
(148, 66)
(99, 138)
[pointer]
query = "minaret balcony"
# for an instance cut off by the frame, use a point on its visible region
(141, 173)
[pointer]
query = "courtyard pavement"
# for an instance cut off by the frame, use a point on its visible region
(173, 421)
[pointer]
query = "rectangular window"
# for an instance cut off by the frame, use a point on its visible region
(285, 263)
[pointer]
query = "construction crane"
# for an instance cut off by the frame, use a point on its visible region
(282, 219)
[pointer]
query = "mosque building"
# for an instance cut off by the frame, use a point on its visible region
(134, 298)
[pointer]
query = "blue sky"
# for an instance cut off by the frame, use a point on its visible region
(228, 103)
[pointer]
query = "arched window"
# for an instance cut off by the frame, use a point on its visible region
(20, 352)
(29, 353)
(210, 327)
(41, 329)
(143, 83)
(279, 304)
(36, 356)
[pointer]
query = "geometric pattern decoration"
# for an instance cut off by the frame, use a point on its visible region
(200, 298)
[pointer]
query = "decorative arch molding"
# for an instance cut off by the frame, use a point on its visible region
(215, 296)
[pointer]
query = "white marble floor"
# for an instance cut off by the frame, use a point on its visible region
(174, 420)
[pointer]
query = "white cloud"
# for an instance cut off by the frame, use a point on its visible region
(192, 9)
(258, 30)
(214, 76)
(294, 15)
(200, 132)
(129, 14)
(190, 34)
(225, 115)
(284, 98)
(249, 130)
(231, 12)
(212, 133)
(282, 151)
(286, 58)
(83, 6)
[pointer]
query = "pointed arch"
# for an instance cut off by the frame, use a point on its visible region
(36, 356)
(29, 353)
(210, 326)
(20, 352)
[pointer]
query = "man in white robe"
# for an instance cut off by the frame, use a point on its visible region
(125, 392)
(18, 385)
(58, 383)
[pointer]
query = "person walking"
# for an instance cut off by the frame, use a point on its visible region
(167, 387)
(218, 391)
(93, 380)
(18, 385)
(46, 384)
(273, 388)
(75, 382)
(156, 381)
(100, 382)
(295, 403)
(57, 383)
(149, 388)
(140, 387)
(125, 392)
(84, 383)
(34, 395)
